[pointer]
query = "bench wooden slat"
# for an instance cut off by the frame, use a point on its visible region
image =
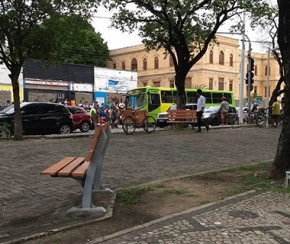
(53, 170)
(75, 166)
(181, 116)
(94, 143)
(81, 170)
(66, 171)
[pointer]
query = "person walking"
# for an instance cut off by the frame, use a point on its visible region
(224, 109)
(200, 109)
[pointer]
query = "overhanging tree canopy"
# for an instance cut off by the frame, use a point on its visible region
(185, 29)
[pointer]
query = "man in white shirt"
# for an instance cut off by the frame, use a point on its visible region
(200, 109)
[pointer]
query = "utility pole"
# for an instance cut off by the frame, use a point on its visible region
(241, 103)
(249, 75)
(268, 82)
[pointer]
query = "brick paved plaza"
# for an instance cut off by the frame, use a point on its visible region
(28, 197)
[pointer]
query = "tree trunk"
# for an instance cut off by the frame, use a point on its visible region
(18, 130)
(179, 82)
(282, 159)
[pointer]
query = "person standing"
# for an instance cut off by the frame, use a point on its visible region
(224, 109)
(200, 109)
(93, 114)
(275, 112)
(73, 102)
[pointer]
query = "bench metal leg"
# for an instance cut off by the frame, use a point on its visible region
(97, 177)
(87, 205)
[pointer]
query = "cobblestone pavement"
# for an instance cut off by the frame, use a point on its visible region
(250, 219)
(26, 197)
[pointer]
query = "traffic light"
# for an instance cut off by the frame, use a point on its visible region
(252, 65)
(250, 73)
(251, 87)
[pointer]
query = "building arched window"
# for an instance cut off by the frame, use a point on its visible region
(266, 70)
(123, 66)
(231, 60)
(144, 64)
(114, 66)
(211, 57)
(156, 63)
(221, 58)
(134, 64)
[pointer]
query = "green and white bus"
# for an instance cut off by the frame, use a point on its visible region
(158, 99)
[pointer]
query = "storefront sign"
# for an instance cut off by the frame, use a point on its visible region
(82, 87)
(47, 82)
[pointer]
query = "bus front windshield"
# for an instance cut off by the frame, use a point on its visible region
(136, 100)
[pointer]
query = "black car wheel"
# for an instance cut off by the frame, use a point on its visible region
(85, 126)
(215, 121)
(64, 129)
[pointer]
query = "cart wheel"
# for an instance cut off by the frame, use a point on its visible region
(128, 125)
(149, 124)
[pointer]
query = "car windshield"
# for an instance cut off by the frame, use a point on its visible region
(213, 109)
(172, 107)
(8, 110)
(137, 101)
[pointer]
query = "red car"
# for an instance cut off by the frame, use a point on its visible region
(81, 118)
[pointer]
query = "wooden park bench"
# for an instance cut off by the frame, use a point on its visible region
(181, 117)
(85, 170)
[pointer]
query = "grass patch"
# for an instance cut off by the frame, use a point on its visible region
(160, 186)
(262, 182)
(247, 167)
(128, 196)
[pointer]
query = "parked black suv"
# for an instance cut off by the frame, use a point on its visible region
(40, 118)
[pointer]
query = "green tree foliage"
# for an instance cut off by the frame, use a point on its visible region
(185, 29)
(22, 33)
(72, 39)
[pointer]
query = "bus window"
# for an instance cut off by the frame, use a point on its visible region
(216, 97)
(191, 97)
(166, 96)
(153, 101)
(207, 96)
(174, 96)
(229, 97)
(136, 101)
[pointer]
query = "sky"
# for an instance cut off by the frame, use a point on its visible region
(117, 39)
(114, 38)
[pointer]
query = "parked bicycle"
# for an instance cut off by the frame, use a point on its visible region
(133, 119)
(4, 132)
(252, 117)
(266, 117)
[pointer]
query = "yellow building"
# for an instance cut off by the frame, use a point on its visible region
(219, 68)
(6, 90)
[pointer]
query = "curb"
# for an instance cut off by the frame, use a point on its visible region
(139, 227)
(90, 134)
